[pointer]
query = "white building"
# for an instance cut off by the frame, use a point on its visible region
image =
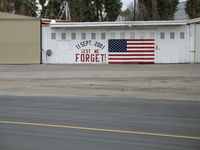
(121, 42)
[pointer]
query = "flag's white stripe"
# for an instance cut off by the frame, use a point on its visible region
(140, 41)
(131, 60)
(131, 56)
(140, 49)
(140, 46)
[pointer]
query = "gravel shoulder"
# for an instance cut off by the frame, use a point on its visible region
(160, 81)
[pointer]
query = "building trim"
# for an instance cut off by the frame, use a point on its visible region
(54, 24)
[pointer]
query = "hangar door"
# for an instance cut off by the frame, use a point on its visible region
(19, 39)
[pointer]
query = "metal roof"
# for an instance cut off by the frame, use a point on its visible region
(196, 20)
(55, 24)
(9, 16)
(48, 21)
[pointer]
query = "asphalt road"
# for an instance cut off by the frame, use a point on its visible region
(98, 123)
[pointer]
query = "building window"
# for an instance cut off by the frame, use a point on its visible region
(162, 35)
(93, 36)
(73, 36)
(132, 35)
(112, 35)
(103, 36)
(53, 36)
(83, 36)
(172, 35)
(122, 35)
(63, 36)
(182, 35)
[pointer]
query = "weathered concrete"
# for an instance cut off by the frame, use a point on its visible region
(171, 81)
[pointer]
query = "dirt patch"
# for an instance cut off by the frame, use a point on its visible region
(171, 81)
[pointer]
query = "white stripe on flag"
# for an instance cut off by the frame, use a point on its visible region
(131, 56)
(131, 60)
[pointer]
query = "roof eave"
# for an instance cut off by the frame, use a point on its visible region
(117, 24)
(196, 20)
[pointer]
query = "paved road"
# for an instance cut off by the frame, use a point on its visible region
(97, 123)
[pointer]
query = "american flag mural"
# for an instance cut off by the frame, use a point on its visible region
(131, 51)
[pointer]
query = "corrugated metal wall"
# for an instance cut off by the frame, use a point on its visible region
(19, 39)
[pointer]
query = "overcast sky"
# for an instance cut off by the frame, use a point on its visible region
(126, 2)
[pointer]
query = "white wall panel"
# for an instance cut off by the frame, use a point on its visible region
(197, 57)
(95, 51)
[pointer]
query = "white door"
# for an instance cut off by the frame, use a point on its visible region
(171, 45)
(64, 51)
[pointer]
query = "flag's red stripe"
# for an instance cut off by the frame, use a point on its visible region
(134, 51)
(140, 43)
(131, 62)
(140, 51)
(130, 54)
(141, 40)
(138, 47)
(131, 58)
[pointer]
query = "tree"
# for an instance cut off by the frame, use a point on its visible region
(87, 11)
(112, 9)
(75, 12)
(156, 9)
(42, 3)
(84, 10)
(99, 6)
(51, 10)
(193, 8)
(22, 7)
(167, 9)
(129, 13)
(80, 10)
(26, 7)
